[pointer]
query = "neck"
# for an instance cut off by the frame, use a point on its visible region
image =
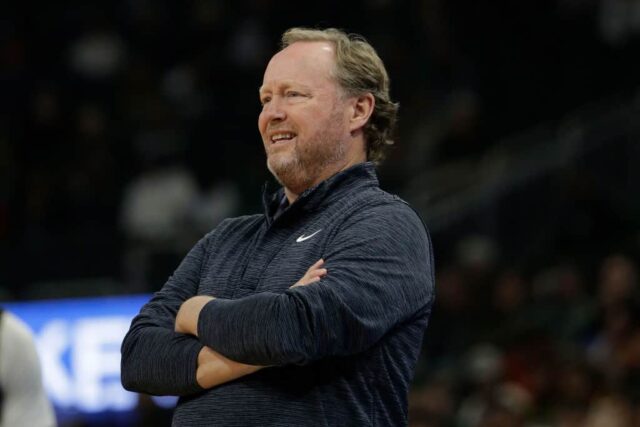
(292, 196)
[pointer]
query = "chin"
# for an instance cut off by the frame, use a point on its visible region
(278, 165)
(289, 174)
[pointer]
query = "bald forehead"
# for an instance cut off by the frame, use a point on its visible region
(301, 47)
(301, 61)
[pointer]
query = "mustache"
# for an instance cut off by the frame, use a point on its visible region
(280, 128)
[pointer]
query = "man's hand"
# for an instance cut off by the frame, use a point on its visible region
(187, 317)
(313, 274)
(215, 369)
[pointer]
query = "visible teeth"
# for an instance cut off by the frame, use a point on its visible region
(281, 136)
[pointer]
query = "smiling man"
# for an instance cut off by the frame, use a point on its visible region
(310, 128)
(312, 313)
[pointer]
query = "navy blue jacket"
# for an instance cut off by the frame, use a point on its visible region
(342, 350)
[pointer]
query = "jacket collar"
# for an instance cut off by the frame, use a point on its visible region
(348, 181)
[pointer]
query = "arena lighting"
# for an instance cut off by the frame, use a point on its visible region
(78, 343)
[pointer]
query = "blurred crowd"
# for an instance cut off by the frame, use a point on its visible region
(128, 130)
(559, 347)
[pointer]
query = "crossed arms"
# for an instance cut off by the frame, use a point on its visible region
(380, 275)
(213, 368)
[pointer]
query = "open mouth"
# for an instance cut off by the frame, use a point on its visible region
(281, 137)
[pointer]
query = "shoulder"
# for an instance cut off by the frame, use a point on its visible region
(376, 208)
(375, 220)
(14, 331)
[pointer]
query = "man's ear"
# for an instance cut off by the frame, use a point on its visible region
(362, 109)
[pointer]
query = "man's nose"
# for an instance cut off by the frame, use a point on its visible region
(273, 110)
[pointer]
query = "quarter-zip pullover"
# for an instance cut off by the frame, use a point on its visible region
(341, 351)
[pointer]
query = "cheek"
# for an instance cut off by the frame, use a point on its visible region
(262, 123)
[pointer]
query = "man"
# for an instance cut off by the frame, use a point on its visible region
(23, 401)
(313, 313)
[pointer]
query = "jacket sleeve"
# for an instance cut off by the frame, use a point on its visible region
(155, 359)
(380, 274)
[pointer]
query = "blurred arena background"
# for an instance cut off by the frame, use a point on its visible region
(128, 130)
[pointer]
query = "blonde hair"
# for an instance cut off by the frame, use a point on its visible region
(358, 70)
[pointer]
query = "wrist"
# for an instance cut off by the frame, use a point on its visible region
(187, 317)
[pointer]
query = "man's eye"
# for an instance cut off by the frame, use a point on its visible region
(293, 94)
(265, 100)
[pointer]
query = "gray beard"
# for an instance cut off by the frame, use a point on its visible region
(307, 164)
(300, 172)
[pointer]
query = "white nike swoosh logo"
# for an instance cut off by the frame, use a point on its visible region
(303, 237)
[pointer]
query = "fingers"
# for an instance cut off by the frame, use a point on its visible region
(313, 274)
(316, 270)
(317, 264)
(309, 278)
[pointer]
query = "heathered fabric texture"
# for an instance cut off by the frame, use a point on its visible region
(342, 350)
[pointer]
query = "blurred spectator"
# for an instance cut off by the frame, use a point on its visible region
(561, 305)
(495, 398)
(156, 206)
(97, 55)
(432, 405)
(619, 20)
(610, 411)
(618, 281)
(164, 210)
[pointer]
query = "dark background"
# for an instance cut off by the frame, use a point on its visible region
(128, 129)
